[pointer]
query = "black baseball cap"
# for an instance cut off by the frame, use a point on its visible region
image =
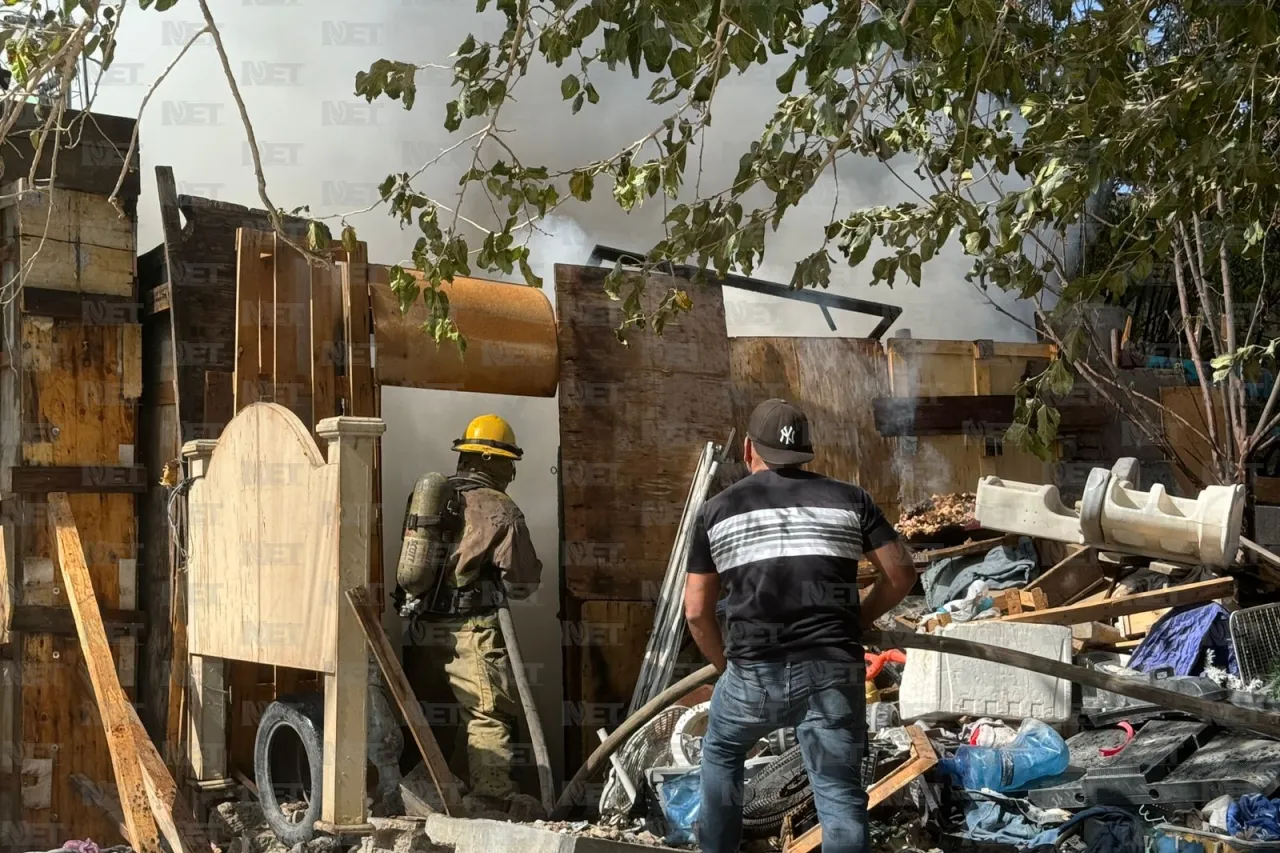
(779, 432)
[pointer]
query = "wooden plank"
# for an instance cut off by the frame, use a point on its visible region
(219, 395)
(981, 546)
(326, 341)
(131, 365)
(944, 464)
(200, 249)
(402, 692)
(97, 309)
(923, 757)
(633, 422)
(113, 705)
(93, 479)
(1075, 572)
(291, 369)
(6, 585)
(158, 299)
(358, 319)
(1137, 625)
(1096, 634)
(1175, 596)
(974, 415)
(1266, 490)
(251, 279)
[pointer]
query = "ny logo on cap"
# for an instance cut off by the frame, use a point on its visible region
(788, 435)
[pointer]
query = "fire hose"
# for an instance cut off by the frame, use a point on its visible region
(1223, 713)
(546, 784)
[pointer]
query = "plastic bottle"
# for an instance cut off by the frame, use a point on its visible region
(1036, 753)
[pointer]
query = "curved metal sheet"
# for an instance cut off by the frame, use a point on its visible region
(511, 337)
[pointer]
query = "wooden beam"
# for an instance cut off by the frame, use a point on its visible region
(400, 689)
(51, 619)
(922, 758)
(78, 479)
(1093, 634)
(979, 547)
(94, 309)
(907, 416)
(1174, 596)
(117, 714)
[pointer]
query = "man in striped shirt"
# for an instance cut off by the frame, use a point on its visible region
(785, 544)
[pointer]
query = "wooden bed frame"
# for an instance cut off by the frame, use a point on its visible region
(276, 535)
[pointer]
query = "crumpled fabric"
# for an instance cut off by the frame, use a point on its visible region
(1105, 829)
(1181, 637)
(1005, 820)
(976, 604)
(1002, 567)
(86, 846)
(988, 732)
(1254, 817)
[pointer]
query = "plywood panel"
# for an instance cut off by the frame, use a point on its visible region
(835, 381)
(1189, 442)
(73, 241)
(608, 642)
(939, 369)
(263, 557)
(643, 413)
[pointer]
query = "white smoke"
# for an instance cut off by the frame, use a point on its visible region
(322, 146)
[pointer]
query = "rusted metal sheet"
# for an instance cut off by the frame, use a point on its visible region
(511, 339)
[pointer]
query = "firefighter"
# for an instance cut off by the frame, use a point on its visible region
(482, 555)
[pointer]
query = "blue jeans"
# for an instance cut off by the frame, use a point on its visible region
(826, 703)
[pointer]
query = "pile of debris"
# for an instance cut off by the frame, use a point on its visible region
(1173, 738)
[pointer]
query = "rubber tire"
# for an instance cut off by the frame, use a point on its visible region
(304, 715)
(773, 793)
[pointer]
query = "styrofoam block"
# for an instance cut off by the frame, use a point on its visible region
(940, 687)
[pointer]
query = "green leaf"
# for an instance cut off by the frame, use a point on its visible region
(569, 86)
(581, 184)
(349, 241)
(682, 65)
(319, 237)
(452, 117)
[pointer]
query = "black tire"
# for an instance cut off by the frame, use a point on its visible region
(288, 765)
(773, 793)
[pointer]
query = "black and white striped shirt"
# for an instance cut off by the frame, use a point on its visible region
(786, 544)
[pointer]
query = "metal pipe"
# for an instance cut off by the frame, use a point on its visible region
(822, 298)
(546, 783)
(512, 345)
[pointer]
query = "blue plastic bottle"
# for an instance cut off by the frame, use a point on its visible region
(1038, 752)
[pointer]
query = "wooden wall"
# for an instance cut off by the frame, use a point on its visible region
(836, 380)
(68, 403)
(633, 422)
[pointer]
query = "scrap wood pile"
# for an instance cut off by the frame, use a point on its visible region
(978, 731)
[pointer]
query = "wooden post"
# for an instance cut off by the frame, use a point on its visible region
(113, 705)
(351, 448)
(207, 688)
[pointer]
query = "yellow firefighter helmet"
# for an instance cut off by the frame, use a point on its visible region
(489, 434)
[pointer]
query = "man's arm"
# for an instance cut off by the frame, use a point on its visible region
(896, 575)
(701, 594)
(515, 556)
